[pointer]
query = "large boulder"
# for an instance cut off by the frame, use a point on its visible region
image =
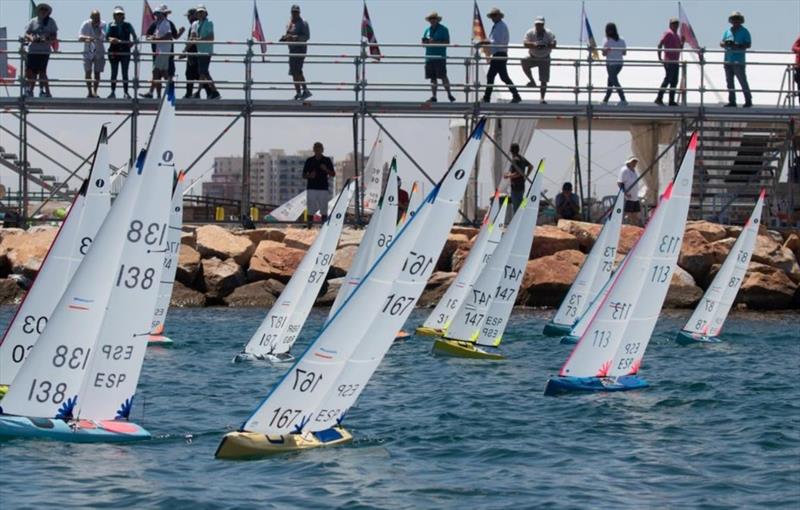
(722, 248)
(793, 243)
(767, 291)
(550, 239)
(435, 288)
(710, 231)
(771, 252)
(628, 237)
(460, 255)
(573, 257)
(23, 252)
(350, 237)
(273, 260)
(585, 233)
(10, 292)
(188, 239)
(184, 297)
(342, 260)
(454, 241)
(546, 281)
(188, 265)
(470, 232)
(215, 241)
(263, 234)
(697, 255)
(221, 277)
(683, 291)
(300, 238)
(256, 294)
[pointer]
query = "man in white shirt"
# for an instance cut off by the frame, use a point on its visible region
(498, 41)
(540, 42)
(627, 182)
(92, 34)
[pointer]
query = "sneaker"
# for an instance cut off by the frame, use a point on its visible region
(673, 103)
(297, 96)
(306, 94)
(188, 96)
(432, 99)
(196, 95)
(486, 99)
(531, 84)
(44, 94)
(659, 102)
(127, 96)
(147, 95)
(622, 103)
(542, 101)
(90, 95)
(748, 104)
(516, 99)
(452, 98)
(730, 105)
(113, 95)
(215, 96)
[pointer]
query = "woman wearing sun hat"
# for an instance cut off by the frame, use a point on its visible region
(438, 37)
(736, 41)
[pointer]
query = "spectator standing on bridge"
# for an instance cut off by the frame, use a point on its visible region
(436, 56)
(189, 53)
(516, 176)
(614, 50)
(670, 41)
(628, 183)
(316, 171)
(796, 50)
(92, 34)
(498, 64)
(121, 37)
(40, 34)
(297, 30)
(567, 205)
(540, 43)
(736, 41)
(162, 31)
(203, 30)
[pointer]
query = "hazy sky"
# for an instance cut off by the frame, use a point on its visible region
(774, 25)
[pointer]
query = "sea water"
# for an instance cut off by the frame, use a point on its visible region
(718, 428)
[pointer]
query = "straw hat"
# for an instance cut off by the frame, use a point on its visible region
(736, 16)
(495, 12)
(631, 159)
(433, 15)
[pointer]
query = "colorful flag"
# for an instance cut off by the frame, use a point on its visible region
(685, 30)
(147, 18)
(53, 43)
(587, 36)
(258, 32)
(478, 32)
(369, 34)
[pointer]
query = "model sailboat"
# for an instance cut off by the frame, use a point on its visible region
(609, 353)
(280, 328)
(373, 175)
(706, 322)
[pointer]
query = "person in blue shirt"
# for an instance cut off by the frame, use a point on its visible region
(203, 30)
(498, 64)
(436, 56)
(736, 41)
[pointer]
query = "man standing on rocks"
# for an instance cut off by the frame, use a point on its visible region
(316, 171)
(627, 182)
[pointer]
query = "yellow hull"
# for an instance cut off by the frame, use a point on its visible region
(459, 349)
(424, 331)
(252, 445)
(3, 390)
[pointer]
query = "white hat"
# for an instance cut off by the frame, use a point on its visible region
(119, 10)
(201, 8)
(539, 20)
(631, 159)
(163, 9)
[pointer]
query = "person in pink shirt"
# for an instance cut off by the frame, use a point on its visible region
(796, 50)
(670, 40)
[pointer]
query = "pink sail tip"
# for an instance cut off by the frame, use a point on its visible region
(693, 141)
(762, 194)
(667, 192)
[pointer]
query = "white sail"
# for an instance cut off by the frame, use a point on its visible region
(291, 210)
(596, 269)
(377, 237)
(415, 198)
(373, 175)
(71, 243)
(171, 250)
(91, 353)
(385, 297)
(639, 287)
(713, 309)
(502, 302)
(279, 329)
(468, 321)
(481, 251)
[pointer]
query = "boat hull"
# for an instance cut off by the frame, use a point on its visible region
(459, 349)
(566, 385)
(569, 340)
(244, 357)
(425, 331)
(252, 445)
(163, 341)
(686, 338)
(82, 431)
(401, 336)
(553, 329)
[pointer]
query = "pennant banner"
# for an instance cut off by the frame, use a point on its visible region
(368, 34)
(147, 18)
(478, 31)
(587, 36)
(257, 32)
(686, 31)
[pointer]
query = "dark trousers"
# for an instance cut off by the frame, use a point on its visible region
(737, 70)
(191, 74)
(613, 82)
(671, 72)
(797, 79)
(498, 66)
(116, 62)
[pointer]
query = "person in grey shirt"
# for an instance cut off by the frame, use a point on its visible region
(540, 43)
(297, 30)
(40, 33)
(498, 65)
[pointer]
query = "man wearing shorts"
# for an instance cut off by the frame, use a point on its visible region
(162, 35)
(316, 171)
(92, 35)
(40, 34)
(203, 30)
(436, 56)
(297, 30)
(540, 42)
(627, 182)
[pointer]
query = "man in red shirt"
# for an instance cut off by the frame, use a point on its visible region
(670, 40)
(796, 50)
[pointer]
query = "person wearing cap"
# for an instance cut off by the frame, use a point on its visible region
(671, 42)
(203, 30)
(40, 34)
(516, 176)
(614, 49)
(121, 37)
(628, 183)
(316, 171)
(498, 65)
(436, 37)
(567, 205)
(736, 41)
(297, 30)
(92, 34)
(162, 32)
(540, 43)
(190, 54)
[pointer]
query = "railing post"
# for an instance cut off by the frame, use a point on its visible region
(577, 78)
(702, 60)
(684, 70)
(136, 73)
(244, 206)
(22, 81)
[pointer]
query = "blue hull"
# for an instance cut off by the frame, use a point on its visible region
(83, 431)
(564, 385)
(553, 329)
(569, 340)
(686, 338)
